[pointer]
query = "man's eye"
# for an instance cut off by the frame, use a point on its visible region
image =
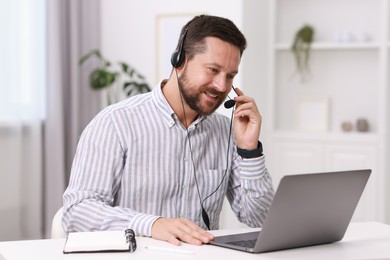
(213, 70)
(230, 77)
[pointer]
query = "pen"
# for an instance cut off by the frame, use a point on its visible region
(170, 250)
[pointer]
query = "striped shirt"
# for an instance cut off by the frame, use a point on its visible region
(136, 162)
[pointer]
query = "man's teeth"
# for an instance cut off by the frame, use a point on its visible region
(211, 95)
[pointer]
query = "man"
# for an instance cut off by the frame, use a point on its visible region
(161, 163)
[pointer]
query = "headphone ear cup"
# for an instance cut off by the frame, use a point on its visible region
(177, 57)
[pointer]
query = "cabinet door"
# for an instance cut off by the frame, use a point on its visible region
(350, 157)
(289, 157)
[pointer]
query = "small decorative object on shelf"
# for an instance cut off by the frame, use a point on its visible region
(312, 113)
(349, 36)
(362, 125)
(346, 126)
(301, 50)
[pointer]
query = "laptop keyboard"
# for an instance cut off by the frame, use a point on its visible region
(244, 243)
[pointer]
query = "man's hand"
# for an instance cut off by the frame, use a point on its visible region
(175, 230)
(247, 121)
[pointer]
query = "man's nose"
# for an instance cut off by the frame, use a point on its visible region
(220, 83)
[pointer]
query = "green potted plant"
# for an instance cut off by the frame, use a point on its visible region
(108, 74)
(301, 50)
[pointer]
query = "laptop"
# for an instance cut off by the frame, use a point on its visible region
(308, 209)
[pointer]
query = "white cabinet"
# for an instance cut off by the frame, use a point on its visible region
(301, 153)
(349, 65)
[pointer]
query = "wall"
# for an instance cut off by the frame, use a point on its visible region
(129, 27)
(255, 72)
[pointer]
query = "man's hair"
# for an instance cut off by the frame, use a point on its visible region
(203, 26)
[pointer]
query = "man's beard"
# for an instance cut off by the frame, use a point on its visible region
(192, 98)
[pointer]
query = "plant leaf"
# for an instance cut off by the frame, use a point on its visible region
(101, 78)
(144, 88)
(94, 52)
(124, 66)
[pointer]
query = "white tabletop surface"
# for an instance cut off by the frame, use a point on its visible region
(370, 240)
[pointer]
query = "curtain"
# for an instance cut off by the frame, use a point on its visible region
(45, 103)
(73, 30)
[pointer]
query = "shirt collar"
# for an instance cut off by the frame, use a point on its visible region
(166, 111)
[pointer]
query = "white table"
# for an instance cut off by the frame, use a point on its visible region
(370, 240)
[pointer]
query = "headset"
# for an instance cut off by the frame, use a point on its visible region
(177, 59)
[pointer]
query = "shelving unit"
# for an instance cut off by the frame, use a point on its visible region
(349, 80)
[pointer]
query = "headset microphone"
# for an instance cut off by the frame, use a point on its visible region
(229, 103)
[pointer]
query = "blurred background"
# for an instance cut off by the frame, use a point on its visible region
(324, 105)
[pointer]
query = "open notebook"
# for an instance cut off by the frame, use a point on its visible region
(308, 209)
(100, 241)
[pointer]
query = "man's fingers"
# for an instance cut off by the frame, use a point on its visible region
(174, 241)
(178, 229)
(247, 121)
(238, 92)
(195, 232)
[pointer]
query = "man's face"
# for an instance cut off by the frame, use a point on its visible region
(206, 80)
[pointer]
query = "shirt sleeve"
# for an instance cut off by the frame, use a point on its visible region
(250, 191)
(95, 178)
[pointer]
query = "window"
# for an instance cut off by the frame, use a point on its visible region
(22, 55)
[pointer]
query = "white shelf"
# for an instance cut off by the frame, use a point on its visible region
(334, 46)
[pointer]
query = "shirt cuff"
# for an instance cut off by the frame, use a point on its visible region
(142, 224)
(251, 153)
